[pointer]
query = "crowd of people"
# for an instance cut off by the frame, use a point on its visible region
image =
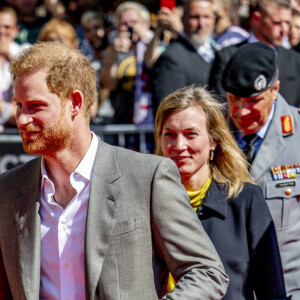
(142, 56)
(220, 82)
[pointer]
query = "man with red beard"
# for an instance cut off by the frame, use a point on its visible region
(87, 220)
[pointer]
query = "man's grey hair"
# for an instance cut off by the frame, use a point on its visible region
(143, 11)
(91, 15)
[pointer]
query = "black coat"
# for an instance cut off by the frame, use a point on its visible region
(180, 65)
(244, 236)
(288, 65)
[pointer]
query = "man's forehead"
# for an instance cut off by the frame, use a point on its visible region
(276, 10)
(256, 97)
(7, 17)
(193, 6)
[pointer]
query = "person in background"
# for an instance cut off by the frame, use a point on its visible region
(86, 220)
(95, 28)
(191, 130)
(123, 71)
(188, 59)
(8, 50)
(59, 31)
(296, 6)
(270, 21)
(267, 128)
(294, 33)
(30, 23)
(225, 32)
(169, 25)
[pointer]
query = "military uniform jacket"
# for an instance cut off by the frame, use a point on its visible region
(282, 196)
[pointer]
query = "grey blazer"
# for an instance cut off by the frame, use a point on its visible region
(139, 225)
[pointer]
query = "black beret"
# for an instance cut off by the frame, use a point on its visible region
(251, 70)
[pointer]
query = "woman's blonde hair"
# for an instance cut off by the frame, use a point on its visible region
(229, 165)
(64, 30)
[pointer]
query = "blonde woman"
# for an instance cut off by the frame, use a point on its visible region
(59, 31)
(191, 130)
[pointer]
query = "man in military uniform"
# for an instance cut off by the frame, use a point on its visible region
(267, 128)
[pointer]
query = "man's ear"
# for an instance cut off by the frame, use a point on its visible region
(77, 100)
(256, 17)
(275, 90)
(15, 32)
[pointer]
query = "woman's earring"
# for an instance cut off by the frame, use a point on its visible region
(211, 155)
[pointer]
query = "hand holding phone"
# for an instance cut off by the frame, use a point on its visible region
(170, 4)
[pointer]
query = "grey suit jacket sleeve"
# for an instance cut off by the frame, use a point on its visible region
(182, 241)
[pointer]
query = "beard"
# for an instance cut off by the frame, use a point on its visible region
(47, 140)
(199, 39)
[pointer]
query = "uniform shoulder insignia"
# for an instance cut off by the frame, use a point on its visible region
(287, 124)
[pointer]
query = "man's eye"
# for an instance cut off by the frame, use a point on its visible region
(192, 133)
(36, 105)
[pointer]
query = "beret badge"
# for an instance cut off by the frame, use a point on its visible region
(260, 83)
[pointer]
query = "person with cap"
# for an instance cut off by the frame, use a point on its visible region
(266, 127)
(270, 21)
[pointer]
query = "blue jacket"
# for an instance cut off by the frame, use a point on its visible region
(243, 233)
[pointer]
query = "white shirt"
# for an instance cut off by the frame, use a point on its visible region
(63, 233)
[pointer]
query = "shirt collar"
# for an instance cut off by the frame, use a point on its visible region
(253, 39)
(206, 50)
(262, 132)
(85, 166)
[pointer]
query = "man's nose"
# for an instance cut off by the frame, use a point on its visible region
(244, 108)
(23, 117)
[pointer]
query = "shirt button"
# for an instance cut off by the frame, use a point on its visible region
(288, 191)
(66, 265)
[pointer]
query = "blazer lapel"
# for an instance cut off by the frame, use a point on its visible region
(215, 200)
(273, 143)
(26, 211)
(100, 215)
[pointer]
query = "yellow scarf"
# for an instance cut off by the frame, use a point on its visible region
(196, 199)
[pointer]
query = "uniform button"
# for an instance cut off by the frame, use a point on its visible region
(288, 191)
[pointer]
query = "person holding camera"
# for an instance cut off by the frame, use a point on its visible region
(122, 72)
